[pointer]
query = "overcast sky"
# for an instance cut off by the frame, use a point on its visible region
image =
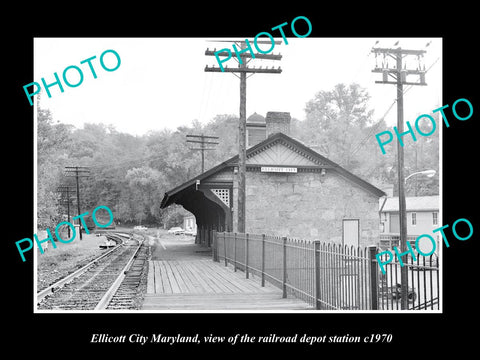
(161, 82)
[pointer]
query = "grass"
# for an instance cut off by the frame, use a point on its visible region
(56, 263)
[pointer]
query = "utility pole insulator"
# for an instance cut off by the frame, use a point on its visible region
(65, 191)
(399, 74)
(77, 171)
(202, 143)
(242, 69)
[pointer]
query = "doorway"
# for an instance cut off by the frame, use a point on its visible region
(351, 232)
(394, 224)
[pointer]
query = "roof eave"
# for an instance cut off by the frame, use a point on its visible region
(233, 161)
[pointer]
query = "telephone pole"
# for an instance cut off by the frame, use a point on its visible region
(65, 191)
(77, 172)
(399, 74)
(203, 141)
(243, 69)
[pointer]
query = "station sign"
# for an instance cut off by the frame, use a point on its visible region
(276, 169)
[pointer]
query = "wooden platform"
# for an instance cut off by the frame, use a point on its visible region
(205, 285)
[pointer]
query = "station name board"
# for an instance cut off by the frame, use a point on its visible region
(278, 169)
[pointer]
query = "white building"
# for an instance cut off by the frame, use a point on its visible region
(190, 224)
(422, 215)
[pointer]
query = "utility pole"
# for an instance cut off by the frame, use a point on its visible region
(202, 143)
(66, 190)
(243, 69)
(399, 74)
(77, 172)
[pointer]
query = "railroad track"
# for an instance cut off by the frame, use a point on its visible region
(127, 295)
(112, 278)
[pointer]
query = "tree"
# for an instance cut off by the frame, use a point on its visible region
(52, 146)
(339, 126)
(335, 120)
(423, 154)
(129, 174)
(173, 216)
(226, 128)
(144, 194)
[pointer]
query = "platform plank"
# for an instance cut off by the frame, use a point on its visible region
(150, 279)
(231, 301)
(158, 281)
(189, 284)
(205, 285)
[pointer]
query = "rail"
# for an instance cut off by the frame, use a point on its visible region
(93, 286)
(70, 277)
(105, 300)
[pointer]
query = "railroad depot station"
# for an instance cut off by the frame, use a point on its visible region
(291, 190)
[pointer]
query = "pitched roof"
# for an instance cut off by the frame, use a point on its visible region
(413, 203)
(303, 149)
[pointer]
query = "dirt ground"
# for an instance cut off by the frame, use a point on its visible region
(175, 247)
(56, 263)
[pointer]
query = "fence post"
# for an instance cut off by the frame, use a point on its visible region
(284, 266)
(214, 245)
(317, 274)
(225, 247)
(235, 252)
(372, 251)
(246, 256)
(263, 260)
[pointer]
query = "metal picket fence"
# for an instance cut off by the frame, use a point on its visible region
(423, 283)
(325, 275)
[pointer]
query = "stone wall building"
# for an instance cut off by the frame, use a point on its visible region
(291, 191)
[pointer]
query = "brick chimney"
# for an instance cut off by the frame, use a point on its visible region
(278, 122)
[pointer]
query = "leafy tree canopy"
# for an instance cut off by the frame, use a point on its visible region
(130, 174)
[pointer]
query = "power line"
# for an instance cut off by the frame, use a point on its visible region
(243, 59)
(65, 191)
(77, 172)
(203, 145)
(206, 96)
(400, 74)
(366, 138)
(126, 163)
(372, 130)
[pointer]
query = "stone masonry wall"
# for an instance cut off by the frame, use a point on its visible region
(309, 206)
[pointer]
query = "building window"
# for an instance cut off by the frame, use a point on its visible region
(414, 219)
(435, 218)
(223, 195)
